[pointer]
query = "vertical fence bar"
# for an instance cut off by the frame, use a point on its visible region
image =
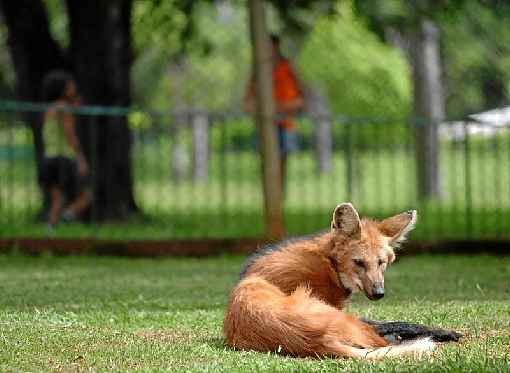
(482, 218)
(497, 186)
(244, 186)
(379, 129)
(440, 197)
(168, 162)
(467, 181)
(391, 152)
(411, 172)
(451, 183)
(92, 123)
(223, 176)
(349, 161)
(10, 171)
(26, 168)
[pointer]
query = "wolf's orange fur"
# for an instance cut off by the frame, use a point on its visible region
(290, 299)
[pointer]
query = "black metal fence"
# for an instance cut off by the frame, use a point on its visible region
(197, 175)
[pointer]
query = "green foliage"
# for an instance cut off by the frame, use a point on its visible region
(58, 21)
(403, 14)
(216, 79)
(6, 68)
(360, 75)
(477, 59)
(233, 135)
(158, 23)
(474, 42)
(157, 28)
(208, 70)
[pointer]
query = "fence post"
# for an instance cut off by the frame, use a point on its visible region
(319, 111)
(264, 115)
(200, 135)
(179, 158)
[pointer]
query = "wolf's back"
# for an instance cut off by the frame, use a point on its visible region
(266, 250)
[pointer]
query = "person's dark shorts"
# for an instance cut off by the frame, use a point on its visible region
(61, 172)
(287, 140)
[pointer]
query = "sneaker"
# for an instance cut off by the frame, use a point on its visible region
(68, 216)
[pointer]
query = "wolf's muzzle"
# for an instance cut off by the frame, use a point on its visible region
(377, 291)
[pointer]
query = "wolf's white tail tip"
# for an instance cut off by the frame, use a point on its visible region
(417, 348)
(424, 346)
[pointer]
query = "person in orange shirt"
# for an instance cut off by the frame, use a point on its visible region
(289, 100)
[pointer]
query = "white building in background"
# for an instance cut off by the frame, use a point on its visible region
(485, 124)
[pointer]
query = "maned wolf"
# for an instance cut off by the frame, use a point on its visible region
(290, 296)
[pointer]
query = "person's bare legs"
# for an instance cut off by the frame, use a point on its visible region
(81, 202)
(55, 206)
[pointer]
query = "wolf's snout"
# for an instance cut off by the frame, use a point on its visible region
(377, 291)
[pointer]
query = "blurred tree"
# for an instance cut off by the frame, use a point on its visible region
(477, 55)
(194, 39)
(346, 70)
(361, 75)
(99, 56)
(262, 62)
(474, 47)
(6, 66)
(411, 25)
(34, 52)
(180, 72)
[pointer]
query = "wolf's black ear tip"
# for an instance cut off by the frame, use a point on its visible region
(456, 336)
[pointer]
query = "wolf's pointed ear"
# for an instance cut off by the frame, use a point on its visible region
(346, 221)
(397, 227)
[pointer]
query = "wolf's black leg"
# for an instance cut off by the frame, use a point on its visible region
(401, 330)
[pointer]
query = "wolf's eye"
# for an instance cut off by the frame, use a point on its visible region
(381, 262)
(359, 263)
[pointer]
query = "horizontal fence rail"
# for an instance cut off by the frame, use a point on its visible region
(196, 174)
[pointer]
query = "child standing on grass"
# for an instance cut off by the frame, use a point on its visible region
(64, 171)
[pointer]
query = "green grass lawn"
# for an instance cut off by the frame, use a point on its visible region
(90, 313)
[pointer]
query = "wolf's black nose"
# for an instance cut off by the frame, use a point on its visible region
(377, 292)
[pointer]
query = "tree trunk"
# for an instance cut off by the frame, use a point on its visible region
(100, 47)
(428, 106)
(34, 53)
(264, 115)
